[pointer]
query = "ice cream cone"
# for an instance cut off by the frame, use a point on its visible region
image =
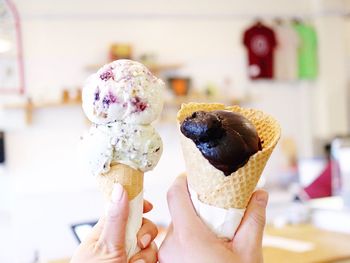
(210, 184)
(122, 99)
(131, 179)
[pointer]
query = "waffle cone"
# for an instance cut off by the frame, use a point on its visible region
(129, 178)
(211, 185)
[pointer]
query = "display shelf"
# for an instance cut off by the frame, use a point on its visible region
(159, 68)
(178, 100)
(51, 104)
(156, 69)
(172, 103)
(30, 106)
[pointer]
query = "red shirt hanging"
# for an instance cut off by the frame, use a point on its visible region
(260, 42)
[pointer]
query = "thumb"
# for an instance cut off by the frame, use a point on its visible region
(182, 212)
(251, 229)
(113, 232)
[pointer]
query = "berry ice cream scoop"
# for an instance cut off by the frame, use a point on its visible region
(123, 90)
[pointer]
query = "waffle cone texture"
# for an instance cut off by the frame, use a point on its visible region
(211, 185)
(129, 178)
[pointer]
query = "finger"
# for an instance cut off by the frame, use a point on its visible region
(97, 229)
(181, 209)
(113, 232)
(250, 231)
(147, 206)
(147, 233)
(148, 255)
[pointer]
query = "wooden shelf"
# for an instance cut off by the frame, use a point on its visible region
(172, 105)
(42, 105)
(156, 69)
(178, 100)
(29, 107)
(159, 68)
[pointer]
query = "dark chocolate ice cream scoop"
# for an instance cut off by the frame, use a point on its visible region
(226, 139)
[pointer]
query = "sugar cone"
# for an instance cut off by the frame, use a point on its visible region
(131, 179)
(210, 184)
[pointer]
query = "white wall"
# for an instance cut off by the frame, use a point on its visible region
(187, 35)
(62, 37)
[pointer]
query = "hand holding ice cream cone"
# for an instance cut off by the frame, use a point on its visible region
(106, 241)
(190, 240)
(122, 99)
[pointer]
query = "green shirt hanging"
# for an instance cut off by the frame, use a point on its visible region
(307, 51)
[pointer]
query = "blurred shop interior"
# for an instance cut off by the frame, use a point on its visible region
(290, 59)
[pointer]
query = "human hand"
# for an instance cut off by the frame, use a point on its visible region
(190, 240)
(106, 242)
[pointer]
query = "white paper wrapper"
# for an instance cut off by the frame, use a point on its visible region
(134, 225)
(223, 222)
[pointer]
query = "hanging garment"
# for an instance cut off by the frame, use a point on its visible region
(260, 43)
(286, 55)
(307, 52)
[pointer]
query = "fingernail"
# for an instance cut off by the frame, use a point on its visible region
(261, 197)
(140, 261)
(145, 240)
(117, 192)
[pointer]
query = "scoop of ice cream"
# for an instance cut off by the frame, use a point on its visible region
(123, 90)
(138, 146)
(226, 139)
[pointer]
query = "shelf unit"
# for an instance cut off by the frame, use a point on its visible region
(29, 107)
(155, 69)
(174, 103)
(177, 101)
